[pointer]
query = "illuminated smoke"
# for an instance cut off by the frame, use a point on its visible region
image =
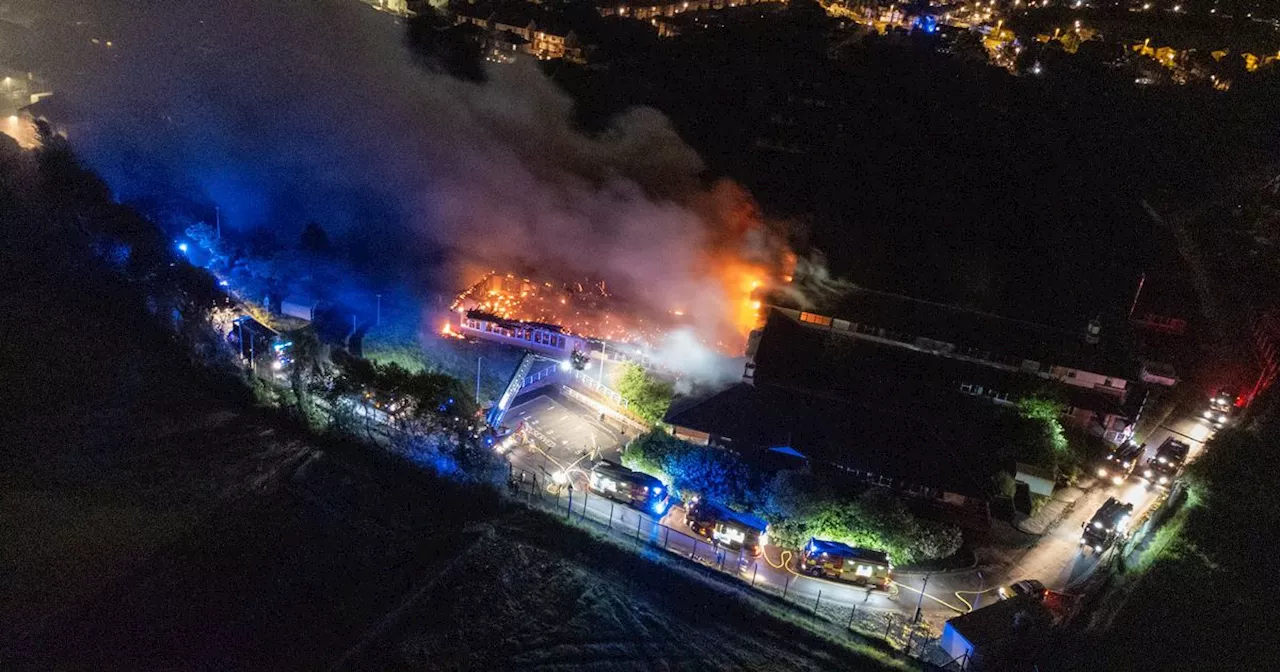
(285, 112)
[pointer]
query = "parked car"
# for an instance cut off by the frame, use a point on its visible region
(1032, 587)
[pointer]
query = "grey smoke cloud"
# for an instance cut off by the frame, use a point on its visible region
(291, 110)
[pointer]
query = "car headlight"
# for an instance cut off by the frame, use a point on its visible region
(1097, 526)
(1097, 549)
(1102, 473)
(1208, 414)
(1117, 480)
(1163, 480)
(1147, 473)
(1222, 418)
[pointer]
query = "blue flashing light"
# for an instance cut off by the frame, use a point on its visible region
(223, 283)
(660, 507)
(183, 247)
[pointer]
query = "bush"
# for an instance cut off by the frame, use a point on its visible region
(797, 504)
(647, 396)
(689, 470)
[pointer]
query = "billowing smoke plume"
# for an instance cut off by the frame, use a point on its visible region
(290, 111)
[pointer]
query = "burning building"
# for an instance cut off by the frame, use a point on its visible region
(575, 315)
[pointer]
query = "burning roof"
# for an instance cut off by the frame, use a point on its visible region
(590, 310)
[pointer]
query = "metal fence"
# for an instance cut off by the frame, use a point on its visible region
(600, 389)
(628, 525)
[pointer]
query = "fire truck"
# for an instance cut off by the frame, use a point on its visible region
(1121, 462)
(1108, 524)
(834, 560)
(1164, 467)
(726, 527)
(633, 488)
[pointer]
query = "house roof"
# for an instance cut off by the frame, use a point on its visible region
(1058, 345)
(997, 621)
(924, 449)
(794, 354)
(490, 317)
(54, 109)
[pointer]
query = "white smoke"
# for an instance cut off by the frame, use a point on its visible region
(290, 111)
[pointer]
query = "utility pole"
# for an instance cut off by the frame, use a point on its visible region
(920, 600)
(378, 322)
(1142, 279)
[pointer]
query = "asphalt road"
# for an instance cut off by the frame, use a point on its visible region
(559, 431)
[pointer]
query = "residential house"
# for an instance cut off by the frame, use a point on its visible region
(988, 638)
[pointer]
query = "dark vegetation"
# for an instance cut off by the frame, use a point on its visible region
(798, 504)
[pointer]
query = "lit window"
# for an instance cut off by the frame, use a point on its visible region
(814, 318)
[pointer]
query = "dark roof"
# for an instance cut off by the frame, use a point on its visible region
(469, 29)
(995, 622)
(490, 317)
(511, 38)
(726, 514)
(794, 354)
(845, 550)
(54, 109)
(927, 449)
(992, 333)
(624, 474)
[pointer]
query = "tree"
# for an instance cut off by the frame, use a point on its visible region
(646, 395)
(1048, 413)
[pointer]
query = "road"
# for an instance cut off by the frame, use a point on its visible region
(559, 431)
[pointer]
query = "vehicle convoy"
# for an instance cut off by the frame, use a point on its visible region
(1120, 463)
(834, 560)
(1164, 467)
(1108, 524)
(728, 528)
(633, 488)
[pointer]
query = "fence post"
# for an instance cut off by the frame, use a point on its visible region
(755, 567)
(786, 587)
(586, 497)
(639, 519)
(852, 612)
(569, 511)
(817, 602)
(611, 514)
(666, 532)
(888, 627)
